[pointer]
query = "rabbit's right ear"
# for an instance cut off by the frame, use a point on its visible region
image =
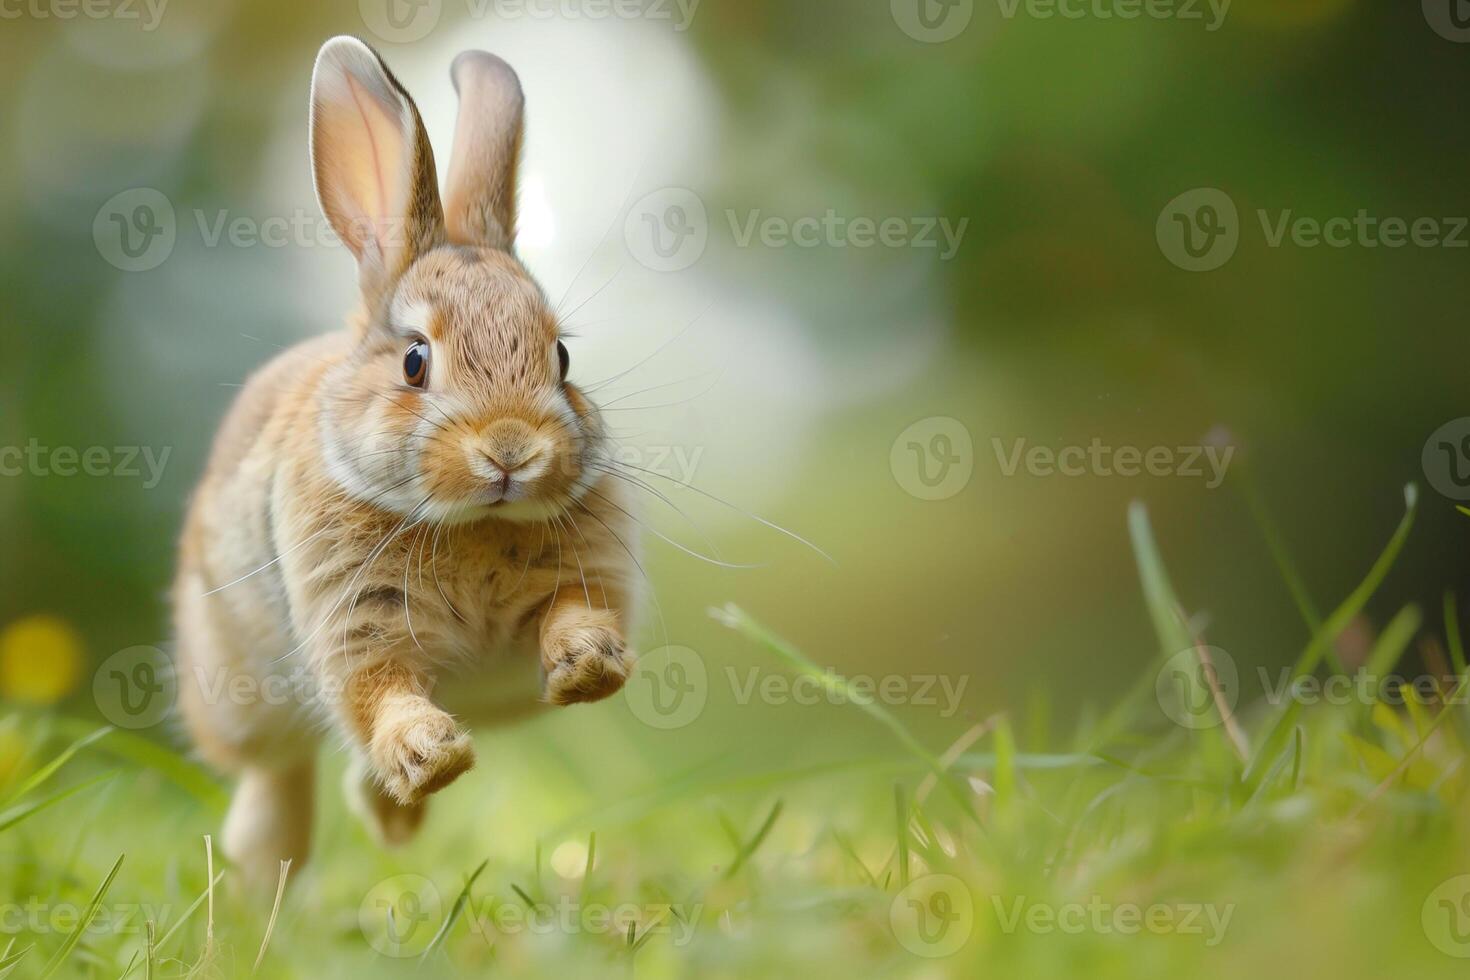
(372, 162)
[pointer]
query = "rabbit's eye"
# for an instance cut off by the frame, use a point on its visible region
(564, 358)
(416, 364)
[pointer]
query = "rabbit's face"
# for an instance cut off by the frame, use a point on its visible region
(457, 405)
(454, 403)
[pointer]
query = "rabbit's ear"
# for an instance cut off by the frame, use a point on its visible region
(480, 195)
(374, 169)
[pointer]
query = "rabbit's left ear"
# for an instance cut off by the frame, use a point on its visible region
(480, 194)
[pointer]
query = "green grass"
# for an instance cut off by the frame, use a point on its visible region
(1265, 840)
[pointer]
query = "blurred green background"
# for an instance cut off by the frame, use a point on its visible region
(785, 375)
(1057, 320)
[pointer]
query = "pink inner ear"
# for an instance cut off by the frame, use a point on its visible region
(364, 157)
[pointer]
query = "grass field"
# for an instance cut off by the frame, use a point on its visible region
(1296, 834)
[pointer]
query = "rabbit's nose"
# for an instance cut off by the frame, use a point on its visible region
(497, 473)
(504, 462)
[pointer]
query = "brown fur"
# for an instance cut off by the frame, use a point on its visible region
(346, 543)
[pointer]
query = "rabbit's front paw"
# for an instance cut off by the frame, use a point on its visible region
(418, 749)
(587, 659)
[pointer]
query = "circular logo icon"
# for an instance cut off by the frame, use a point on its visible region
(399, 915)
(1446, 459)
(667, 230)
(933, 916)
(932, 21)
(1187, 682)
(669, 687)
(400, 21)
(135, 688)
(1199, 230)
(1450, 19)
(1445, 917)
(934, 458)
(135, 230)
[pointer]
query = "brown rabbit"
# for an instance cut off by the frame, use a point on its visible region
(423, 493)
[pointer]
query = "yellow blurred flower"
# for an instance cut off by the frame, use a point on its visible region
(40, 660)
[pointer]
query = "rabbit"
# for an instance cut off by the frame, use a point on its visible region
(420, 496)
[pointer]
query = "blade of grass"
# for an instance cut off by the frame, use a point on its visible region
(736, 618)
(745, 852)
(1282, 559)
(1452, 634)
(1166, 613)
(10, 960)
(455, 911)
(901, 829)
(852, 855)
(149, 755)
(1388, 650)
(1409, 756)
(270, 925)
(1335, 624)
(50, 769)
(188, 912)
(75, 936)
(24, 811)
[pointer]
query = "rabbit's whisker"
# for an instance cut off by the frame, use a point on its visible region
(739, 510)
